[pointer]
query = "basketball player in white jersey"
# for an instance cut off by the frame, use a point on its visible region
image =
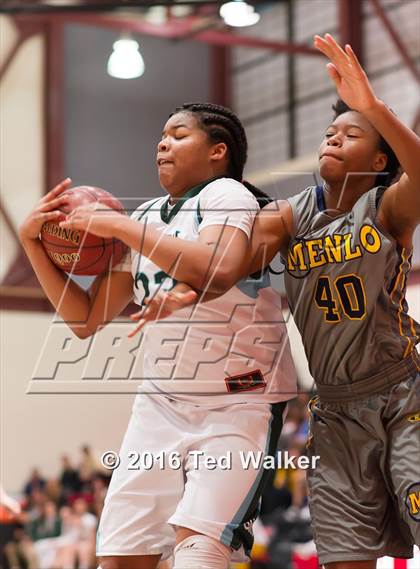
(218, 378)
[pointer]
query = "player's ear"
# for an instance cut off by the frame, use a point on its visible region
(218, 151)
(380, 161)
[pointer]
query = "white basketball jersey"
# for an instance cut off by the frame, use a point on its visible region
(228, 350)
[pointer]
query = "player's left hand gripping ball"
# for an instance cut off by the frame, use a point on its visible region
(83, 242)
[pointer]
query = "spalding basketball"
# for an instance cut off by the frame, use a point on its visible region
(80, 252)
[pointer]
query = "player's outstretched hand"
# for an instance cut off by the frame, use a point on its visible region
(161, 306)
(47, 209)
(351, 81)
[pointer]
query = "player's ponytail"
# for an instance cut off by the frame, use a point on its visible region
(222, 125)
(262, 197)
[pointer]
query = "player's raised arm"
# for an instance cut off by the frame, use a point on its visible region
(400, 206)
(83, 312)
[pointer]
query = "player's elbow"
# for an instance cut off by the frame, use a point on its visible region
(82, 332)
(225, 281)
(218, 278)
(221, 280)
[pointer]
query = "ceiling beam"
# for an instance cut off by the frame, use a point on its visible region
(402, 50)
(22, 7)
(350, 17)
(54, 103)
(177, 29)
(220, 76)
(24, 31)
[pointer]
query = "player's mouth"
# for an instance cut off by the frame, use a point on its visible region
(330, 155)
(163, 162)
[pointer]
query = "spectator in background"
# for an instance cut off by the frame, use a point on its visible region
(53, 491)
(12, 551)
(99, 489)
(298, 486)
(65, 545)
(296, 423)
(76, 545)
(88, 467)
(35, 482)
(19, 551)
(86, 524)
(46, 524)
(34, 505)
(42, 531)
(69, 479)
(31, 547)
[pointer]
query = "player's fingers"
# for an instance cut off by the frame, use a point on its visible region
(336, 49)
(136, 315)
(54, 203)
(51, 215)
(143, 311)
(322, 45)
(58, 189)
(329, 47)
(155, 306)
(139, 326)
(334, 74)
(69, 222)
(353, 58)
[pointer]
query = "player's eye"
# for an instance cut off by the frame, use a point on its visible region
(180, 134)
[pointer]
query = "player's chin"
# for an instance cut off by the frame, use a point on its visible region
(331, 171)
(166, 179)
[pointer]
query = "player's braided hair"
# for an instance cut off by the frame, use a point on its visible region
(392, 164)
(222, 125)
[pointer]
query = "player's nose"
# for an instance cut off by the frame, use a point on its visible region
(334, 140)
(163, 145)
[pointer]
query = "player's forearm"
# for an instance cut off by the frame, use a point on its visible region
(195, 263)
(70, 301)
(403, 141)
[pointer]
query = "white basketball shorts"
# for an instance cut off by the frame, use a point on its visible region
(183, 465)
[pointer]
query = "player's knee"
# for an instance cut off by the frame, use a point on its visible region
(201, 551)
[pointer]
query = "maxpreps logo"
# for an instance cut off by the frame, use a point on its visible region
(412, 501)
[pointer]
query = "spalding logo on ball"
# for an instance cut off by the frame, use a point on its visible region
(80, 252)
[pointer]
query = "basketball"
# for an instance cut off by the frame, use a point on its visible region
(80, 252)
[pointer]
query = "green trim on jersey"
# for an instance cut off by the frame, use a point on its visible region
(168, 217)
(143, 213)
(198, 212)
